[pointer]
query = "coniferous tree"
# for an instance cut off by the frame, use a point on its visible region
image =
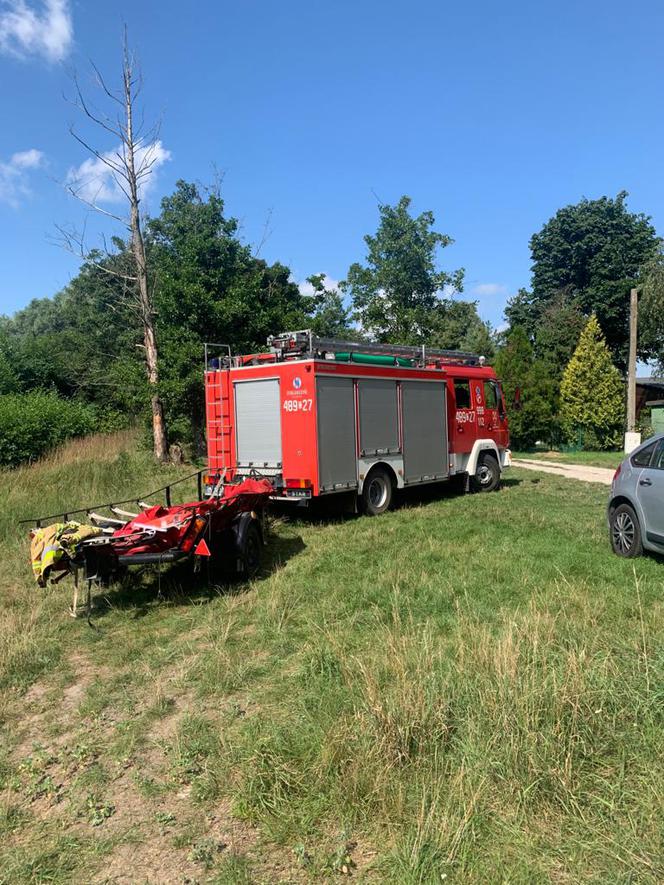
(529, 390)
(592, 393)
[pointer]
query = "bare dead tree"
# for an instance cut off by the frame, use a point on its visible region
(129, 166)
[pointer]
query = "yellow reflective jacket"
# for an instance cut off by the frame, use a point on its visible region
(49, 545)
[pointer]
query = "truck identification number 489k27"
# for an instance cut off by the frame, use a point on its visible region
(297, 405)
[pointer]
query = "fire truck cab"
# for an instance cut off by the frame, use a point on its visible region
(322, 417)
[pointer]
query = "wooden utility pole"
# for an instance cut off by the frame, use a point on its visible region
(631, 366)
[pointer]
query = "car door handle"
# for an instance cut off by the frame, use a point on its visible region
(645, 482)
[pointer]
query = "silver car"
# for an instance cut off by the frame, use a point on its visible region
(636, 505)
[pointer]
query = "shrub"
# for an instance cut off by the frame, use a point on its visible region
(32, 423)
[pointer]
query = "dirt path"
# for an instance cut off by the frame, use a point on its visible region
(602, 475)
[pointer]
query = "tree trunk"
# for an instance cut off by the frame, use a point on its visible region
(159, 435)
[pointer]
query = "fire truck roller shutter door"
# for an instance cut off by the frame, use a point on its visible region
(337, 458)
(424, 430)
(379, 417)
(258, 423)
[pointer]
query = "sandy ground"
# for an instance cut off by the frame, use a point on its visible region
(602, 475)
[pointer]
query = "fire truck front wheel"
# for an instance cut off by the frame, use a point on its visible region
(377, 492)
(487, 474)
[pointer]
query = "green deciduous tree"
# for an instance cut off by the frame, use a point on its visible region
(593, 251)
(396, 295)
(557, 333)
(331, 318)
(592, 393)
(651, 310)
(82, 343)
(529, 389)
(209, 287)
(205, 285)
(521, 311)
(456, 325)
(9, 380)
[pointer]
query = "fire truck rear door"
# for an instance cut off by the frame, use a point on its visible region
(258, 423)
(337, 453)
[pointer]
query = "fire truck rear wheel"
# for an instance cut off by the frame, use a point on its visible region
(377, 492)
(487, 474)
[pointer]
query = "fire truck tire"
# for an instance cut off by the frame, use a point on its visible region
(377, 492)
(487, 474)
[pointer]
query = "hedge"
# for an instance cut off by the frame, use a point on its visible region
(33, 423)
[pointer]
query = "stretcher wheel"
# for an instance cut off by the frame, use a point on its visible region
(237, 551)
(250, 551)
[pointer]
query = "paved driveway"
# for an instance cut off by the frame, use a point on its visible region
(602, 475)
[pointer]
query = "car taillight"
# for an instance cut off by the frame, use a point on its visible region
(617, 473)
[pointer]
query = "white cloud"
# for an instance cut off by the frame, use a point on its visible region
(96, 182)
(25, 31)
(31, 159)
(14, 183)
(489, 289)
(306, 288)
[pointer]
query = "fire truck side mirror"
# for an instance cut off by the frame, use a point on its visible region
(516, 402)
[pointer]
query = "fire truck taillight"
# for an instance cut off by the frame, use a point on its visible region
(298, 488)
(209, 483)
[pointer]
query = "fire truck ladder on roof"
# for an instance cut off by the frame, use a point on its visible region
(305, 343)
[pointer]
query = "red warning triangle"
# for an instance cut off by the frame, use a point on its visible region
(202, 548)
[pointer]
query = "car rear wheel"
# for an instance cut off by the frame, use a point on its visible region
(625, 532)
(487, 474)
(377, 492)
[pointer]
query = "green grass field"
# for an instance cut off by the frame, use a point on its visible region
(588, 459)
(467, 689)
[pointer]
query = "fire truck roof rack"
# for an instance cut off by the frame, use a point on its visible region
(304, 343)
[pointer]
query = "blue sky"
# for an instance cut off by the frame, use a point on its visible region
(492, 115)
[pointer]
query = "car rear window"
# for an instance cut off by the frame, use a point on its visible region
(643, 456)
(658, 463)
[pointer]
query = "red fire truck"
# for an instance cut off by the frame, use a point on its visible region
(321, 417)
